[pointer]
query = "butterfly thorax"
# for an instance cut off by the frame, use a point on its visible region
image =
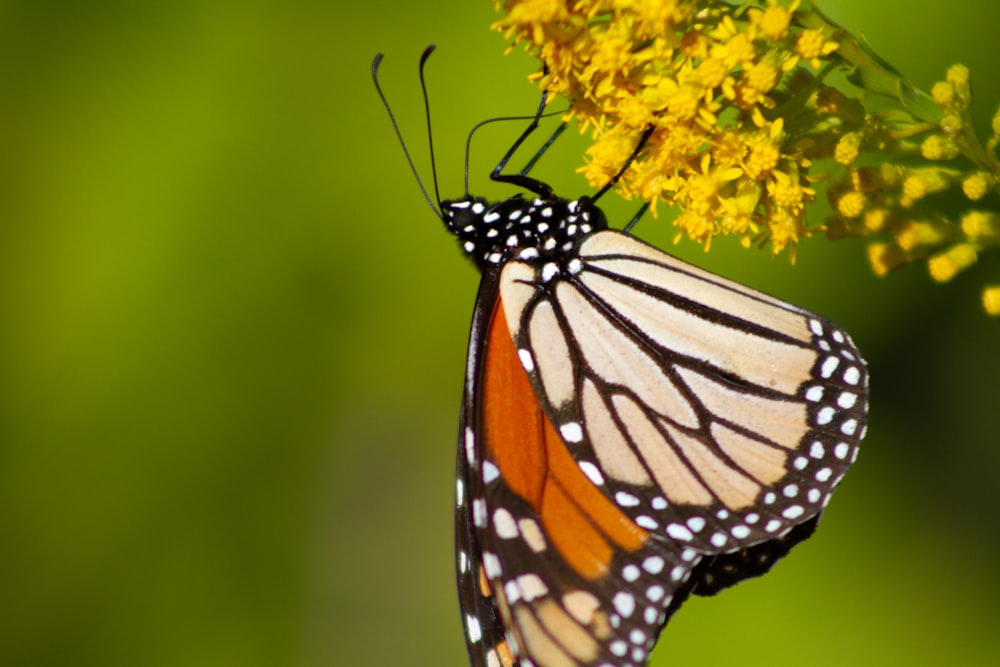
(537, 231)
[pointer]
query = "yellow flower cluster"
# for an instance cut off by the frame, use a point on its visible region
(756, 105)
(719, 83)
(914, 194)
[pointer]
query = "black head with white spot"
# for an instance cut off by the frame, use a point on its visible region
(538, 231)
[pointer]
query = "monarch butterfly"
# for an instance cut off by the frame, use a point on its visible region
(633, 429)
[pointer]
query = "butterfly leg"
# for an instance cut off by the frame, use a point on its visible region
(532, 184)
(628, 163)
(635, 218)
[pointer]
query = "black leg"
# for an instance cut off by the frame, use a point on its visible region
(628, 163)
(521, 179)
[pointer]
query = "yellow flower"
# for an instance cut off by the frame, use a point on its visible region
(938, 147)
(851, 205)
(914, 187)
(684, 102)
(762, 76)
(848, 148)
(876, 219)
(944, 266)
(712, 72)
(812, 44)
(912, 235)
(749, 122)
(943, 93)
(976, 185)
(784, 230)
(981, 225)
(762, 159)
(701, 189)
(774, 20)
(991, 300)
(885, 257)
(787, 192)
(958, 77)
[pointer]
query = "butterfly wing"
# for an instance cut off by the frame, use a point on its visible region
(711, 414)
(549, 569)
(630, 420)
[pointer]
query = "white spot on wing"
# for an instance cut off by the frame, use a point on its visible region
(653, 564)
(679, 532)
(532, 587)
(526, 361)
(793, 512)
(571, 432)
(829, 366)
(647, 522)
(532, 535)
(491, 565)
(847, 400)
(626, 499)
(470, 446)
(624, 604)
(504, 524)
(825, 416)
(740, 531)
(592, 472)
(479, 513)
(473, 629)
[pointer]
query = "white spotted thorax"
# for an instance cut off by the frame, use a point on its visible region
(542, 231)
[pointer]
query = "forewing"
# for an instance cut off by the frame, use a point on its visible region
(715, 417)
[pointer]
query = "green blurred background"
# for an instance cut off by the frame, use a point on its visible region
(232, 339)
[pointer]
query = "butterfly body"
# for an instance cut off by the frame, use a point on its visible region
(544, 230)
(633, 428)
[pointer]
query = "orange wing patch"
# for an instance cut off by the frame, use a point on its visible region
(577, 518)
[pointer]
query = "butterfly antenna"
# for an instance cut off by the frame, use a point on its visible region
(436, 207)
(427, 114)
(628, 163)
(526, 182)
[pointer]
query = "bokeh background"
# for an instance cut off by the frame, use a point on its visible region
(232, 339)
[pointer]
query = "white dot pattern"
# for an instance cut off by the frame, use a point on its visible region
(530, 231)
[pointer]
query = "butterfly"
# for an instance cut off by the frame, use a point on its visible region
(633, 429)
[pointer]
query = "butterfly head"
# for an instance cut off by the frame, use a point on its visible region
(536, 231)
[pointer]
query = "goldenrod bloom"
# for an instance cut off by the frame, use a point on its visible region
(747, 126)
